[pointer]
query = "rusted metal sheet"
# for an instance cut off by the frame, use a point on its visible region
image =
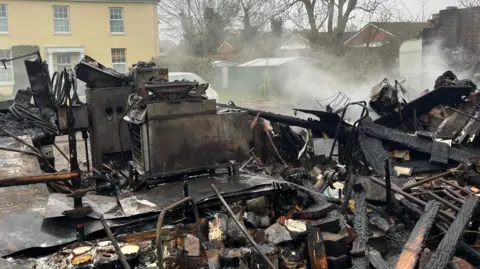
(170, 110)
(196, 141)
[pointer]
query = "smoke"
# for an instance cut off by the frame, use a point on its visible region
(312, 83)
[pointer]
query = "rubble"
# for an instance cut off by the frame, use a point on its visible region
(189, 183)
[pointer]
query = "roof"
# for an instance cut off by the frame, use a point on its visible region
(274, 61)
(400, 30)
(223, 63)
(225, 43)
(297, 42)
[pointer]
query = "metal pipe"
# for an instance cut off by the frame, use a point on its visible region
(160, 225)
(112, 239)
(45, 178)
(429, 179)
(409, 196)
(456, 194)
(467, 191)
(232, 215)
(456, 199)
(443, 201)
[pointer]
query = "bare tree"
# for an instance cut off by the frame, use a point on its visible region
(201, 23)
(254, 15)
(314, 11)
(335, 13)
(468, 3)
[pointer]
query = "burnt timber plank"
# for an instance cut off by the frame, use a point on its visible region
(316, 248)
(457, 154)
(446, 248)
(377, 261)
(415, 243)
(360, 224)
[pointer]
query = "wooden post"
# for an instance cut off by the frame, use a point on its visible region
(447, 246)
(360, 224)
(412, 249)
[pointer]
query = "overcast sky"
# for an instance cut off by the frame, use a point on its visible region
(432, 6)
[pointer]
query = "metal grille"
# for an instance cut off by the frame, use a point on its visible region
(137, 151)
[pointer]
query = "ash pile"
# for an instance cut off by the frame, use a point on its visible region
(178, 180)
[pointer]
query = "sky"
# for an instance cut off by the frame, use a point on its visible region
(432, 6)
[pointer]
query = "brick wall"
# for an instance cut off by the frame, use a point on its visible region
(456, 28)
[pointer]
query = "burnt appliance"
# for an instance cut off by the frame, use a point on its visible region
(178, 131)
(110, 138)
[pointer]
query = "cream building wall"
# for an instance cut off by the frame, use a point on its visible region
(31, 23)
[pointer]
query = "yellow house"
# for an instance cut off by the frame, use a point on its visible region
(117, 33)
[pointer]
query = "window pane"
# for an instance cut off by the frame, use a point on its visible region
(116, 20)
(3, 19)
(6, 75)
(119, 62)
(61, 22)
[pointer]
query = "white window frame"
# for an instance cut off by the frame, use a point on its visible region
(4, 18)
(122, 20)
(7, 54)
(118, 65)
(61, 19)
(62, 64)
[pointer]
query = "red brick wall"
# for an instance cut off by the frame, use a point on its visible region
(368, 35)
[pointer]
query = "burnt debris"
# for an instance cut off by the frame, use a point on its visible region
(176, 180)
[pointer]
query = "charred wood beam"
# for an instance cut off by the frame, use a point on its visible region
(463, 249)
(415, 143)
(316, 248)
(360, 224)
(377, 261)
(447, 246)
(412, 249)
(388, 182)
(46, 178)
(410, 197)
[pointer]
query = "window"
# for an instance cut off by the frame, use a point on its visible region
(3, 19)
(63, 60)
(116, 20)
(61, 19)
(6, 75)
(119, 61)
